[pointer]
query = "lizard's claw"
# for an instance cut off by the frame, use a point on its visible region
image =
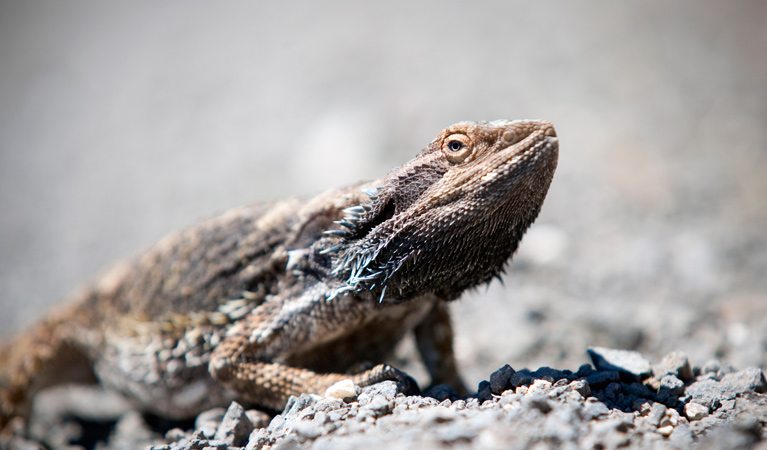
(384, 372)
(408, 386)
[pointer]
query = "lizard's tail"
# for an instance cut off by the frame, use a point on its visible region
(41, 356)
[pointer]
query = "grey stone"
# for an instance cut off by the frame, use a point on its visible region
(235, 426)
(708, 393)
(675, 363)
(259, 439)
(332, 404)
(386, 388)
(751, 379)
(208, 421)
(593, 409)
(681, 437)
(581, 386)
(175, 434)
(695, 411)
(538, 402)
(716, 369)
(308, 429)
(259, 419)
(673, 384)
(381, 406)
(657, 413)
(131, 430)
(625, 361)
(730, 436)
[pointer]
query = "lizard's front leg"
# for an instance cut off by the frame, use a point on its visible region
(249, 360)
(271, 384)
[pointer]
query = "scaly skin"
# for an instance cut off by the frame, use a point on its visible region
(282, 298)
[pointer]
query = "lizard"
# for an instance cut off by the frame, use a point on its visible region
(287, 297)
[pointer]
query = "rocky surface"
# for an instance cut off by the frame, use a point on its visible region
(621, 401)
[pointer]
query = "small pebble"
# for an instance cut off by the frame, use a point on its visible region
(695, 411)
(666, 431)
(344, 389)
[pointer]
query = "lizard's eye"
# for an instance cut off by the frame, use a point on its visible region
(457, 148)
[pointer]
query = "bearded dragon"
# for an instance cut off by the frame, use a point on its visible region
(282, 298)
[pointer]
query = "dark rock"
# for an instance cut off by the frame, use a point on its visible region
(483, 391)
(630, 364)
(612, 390)
(499, 380)
(235, 426)
(598, 380)
(520, 379)
(550, 375)
(584, 370)
(675, 363)
(441, 392)
(638, 390)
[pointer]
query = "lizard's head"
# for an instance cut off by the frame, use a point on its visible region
(452, 217)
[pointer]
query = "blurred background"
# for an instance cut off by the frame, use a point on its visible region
(123, 121)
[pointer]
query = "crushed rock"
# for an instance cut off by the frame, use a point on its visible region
(668, 406)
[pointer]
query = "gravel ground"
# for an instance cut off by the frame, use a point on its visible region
(122, 122)
(620, 401)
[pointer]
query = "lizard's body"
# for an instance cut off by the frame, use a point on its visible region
(263, 303)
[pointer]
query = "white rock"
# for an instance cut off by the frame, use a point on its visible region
(342, 389)
(695, 411)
